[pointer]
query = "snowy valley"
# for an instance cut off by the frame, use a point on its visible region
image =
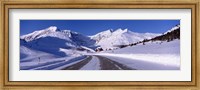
(121, 49)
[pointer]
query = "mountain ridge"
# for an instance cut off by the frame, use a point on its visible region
(54, 40)
(109, 38)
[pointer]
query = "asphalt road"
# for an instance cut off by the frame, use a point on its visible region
(78, 65)
(105, 64)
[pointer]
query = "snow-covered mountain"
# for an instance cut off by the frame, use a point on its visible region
(55, 41)
(109, 38)
(53, 32)
(40, 33)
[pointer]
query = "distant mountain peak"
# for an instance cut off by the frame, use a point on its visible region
(107, 31)
(126, 30)
(120, 30)
(52, 28)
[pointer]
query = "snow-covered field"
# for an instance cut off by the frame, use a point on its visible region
(34, 59)
(153, 55)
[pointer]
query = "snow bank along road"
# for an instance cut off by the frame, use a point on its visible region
(103, 63)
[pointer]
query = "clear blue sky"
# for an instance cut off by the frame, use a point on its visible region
(91, 27)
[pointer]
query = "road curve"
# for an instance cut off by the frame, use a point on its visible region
(108, 64)
(105, 64)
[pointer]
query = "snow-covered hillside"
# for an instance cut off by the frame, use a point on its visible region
(151, 56)
(109, 38)
(172, 29)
